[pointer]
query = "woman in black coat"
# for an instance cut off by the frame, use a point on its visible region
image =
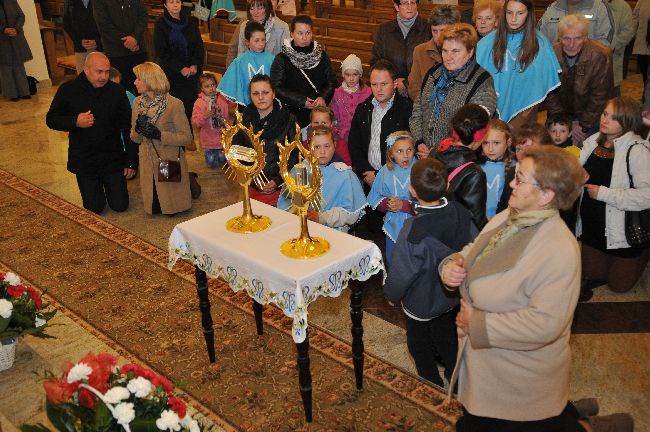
(179, 49)
(302, 74)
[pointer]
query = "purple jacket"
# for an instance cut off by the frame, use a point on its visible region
(343, 105)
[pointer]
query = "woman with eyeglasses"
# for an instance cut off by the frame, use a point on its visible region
(613, 158)
(519, 282)
(276, 30)
(395, 40)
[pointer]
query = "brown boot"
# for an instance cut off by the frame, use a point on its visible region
(195, 187)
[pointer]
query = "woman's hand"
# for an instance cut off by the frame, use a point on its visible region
(193, 70)
(463, 318)
(319, 101)
(185, 72)
(592, 190)
(10, 31)
(394, 204)
(309, 103)
(312, 215)
(270, 187)
(453, 273)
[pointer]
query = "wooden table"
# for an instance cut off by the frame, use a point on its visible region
(254, 263)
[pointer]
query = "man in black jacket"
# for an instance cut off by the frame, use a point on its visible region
(79, 24)
(374, 119)
(122, 26)
(97, 114)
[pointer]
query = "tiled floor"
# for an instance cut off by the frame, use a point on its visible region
(611, 343)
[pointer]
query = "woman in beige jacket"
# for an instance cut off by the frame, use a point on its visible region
(519, 283)
(159, 124)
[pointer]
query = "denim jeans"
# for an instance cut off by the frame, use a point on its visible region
(215, 157)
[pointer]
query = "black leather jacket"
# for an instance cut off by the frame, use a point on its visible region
(469, 186)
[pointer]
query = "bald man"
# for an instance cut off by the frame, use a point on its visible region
(97, 114)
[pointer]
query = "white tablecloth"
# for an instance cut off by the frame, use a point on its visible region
(253, 262)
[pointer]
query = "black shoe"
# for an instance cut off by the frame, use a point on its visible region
(14, 99)
(195, 187)
(26, 97)
(587, 289)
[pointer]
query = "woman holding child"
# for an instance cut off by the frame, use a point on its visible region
(518, 297)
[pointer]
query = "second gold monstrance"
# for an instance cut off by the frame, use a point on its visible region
(245, 164)
(304, 189)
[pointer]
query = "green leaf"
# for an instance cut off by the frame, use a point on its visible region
(143, 425)
(103, 417)
(60, 418)
(4, 323)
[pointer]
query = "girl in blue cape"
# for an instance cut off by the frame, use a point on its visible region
(341, 188)
(521, 61)
(390, 189)
(235, 82)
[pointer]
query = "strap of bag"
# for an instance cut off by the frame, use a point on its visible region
(158, 154)
(310, 83)
(627, 162)
(453, 174)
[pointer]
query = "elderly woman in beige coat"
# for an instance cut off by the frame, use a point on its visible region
(159, 124)
(519, 283)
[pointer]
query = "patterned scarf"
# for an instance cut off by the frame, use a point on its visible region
(159, 102)
(515, 223)
(300, 59)
(349, 89)
(445, 83)
(177, 40)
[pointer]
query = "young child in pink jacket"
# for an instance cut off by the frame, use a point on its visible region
(210, 114)
(346, 98)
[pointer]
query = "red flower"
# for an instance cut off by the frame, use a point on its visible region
(18, 291)
(164, 382)
(178, 406)
(87, 399)
(133, 368)
(102, 366)
(57, 391)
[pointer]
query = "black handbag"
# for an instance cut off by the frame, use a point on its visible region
(637, 223)
(169, 170)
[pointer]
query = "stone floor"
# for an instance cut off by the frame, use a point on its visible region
(611, 347)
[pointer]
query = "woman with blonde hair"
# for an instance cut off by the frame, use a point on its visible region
(159, 124)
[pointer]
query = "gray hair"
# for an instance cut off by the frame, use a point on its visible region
(444, 14)
(572, 22)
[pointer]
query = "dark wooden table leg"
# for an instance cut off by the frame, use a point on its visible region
(304, 376)
(257, 310)
(356, 314)
(204, 306)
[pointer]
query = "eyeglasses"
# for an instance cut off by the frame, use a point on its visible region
(519, 181)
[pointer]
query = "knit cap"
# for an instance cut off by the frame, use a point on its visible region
(352, 62)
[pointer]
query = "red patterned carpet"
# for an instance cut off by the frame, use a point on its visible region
(116, 285)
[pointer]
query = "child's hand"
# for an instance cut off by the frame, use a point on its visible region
(207, 114)
(312, 215)
(394, 204)
(423, 151)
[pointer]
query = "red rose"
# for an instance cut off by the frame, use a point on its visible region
(16, 290)
(36, 296)
(57, 391)
(178, 406)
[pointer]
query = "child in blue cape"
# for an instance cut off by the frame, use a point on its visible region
(497, 165)
(390, 191)
(341, 188)
(235, 82)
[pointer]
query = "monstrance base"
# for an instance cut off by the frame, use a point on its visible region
(310, 247)
(248, 225)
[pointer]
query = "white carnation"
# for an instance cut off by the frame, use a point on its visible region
(140, 387)
(168, 421)
(124, 413)
(5, 308)
(39, 322)
(116, 395)
(80, 371)
(190, 424)
(12, 279)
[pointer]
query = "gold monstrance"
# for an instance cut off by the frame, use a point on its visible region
(304, 190)
(245, 164)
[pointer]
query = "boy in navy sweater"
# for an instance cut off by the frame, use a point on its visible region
(439, 229)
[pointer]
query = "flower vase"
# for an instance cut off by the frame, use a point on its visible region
(7, 353)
